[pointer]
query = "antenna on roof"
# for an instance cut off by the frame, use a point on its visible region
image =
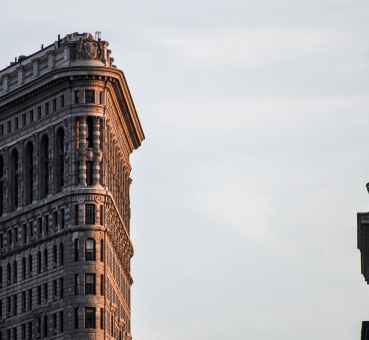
(98, 35)
(58, 40)
(42, 46)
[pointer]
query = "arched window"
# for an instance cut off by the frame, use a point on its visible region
(14, 179)
(44, 166)
(28, 173)
(90, 251)
(59, 160)
(1, 185)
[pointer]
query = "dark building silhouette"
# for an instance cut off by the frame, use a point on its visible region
(68, 125)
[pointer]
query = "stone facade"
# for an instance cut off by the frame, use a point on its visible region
(68, 125)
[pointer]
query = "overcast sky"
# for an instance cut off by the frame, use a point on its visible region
(245, 192)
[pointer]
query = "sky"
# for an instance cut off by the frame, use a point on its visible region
(245, 191)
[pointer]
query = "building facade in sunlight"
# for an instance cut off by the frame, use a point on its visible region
(68, 125)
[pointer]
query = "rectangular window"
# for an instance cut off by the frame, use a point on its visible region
(61, 321)
(30, 227)
(90, 284)
(101, 215)
(102, 101)
(102, 250)
(102, 321)
(30, 330)
(38, 326)
(54, 322)
(46, 292)
(24, 120)
(30, 299)
(24, 304)
(55, 220)
(15, 304)
(89, 173)
(76, 318)
(1, 130)
(102, 285)
(46, 225)
(16, 235)
(8, 306)
(39, 295)
(24, 232)
(39, 113)
(30, 264)
(62, 101)
(39, 223)
(90, 96)
(1, 309)
(76, 284)
(1, 240)
(46, 328)
(47, 108)
(31, 118)
(16, 123)
(62, 218)
(55, 289)
(54, 104)
(90, 214)
(24, 268)
(46, 259)
(61, 288)
(9, 126)
(24, 331)
(76, 249)
(90, 317)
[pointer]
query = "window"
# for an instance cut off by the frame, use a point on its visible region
(90, 284)
(38, 262)
(102, 250)
(15, 272)
(76, 284)
(47, 108)
(46, 292)
(76, 249)
(102, 97)
(62, 218)
(55, 220)
(1, 185)
(90, 214)
(46, 259)
(90, 250)
(102, 285)
(15, 333)
(9, 126)
(24, 305)
(45, 326)
(61, 288)
(62, 101)
(54, 325)
(44, 166)
(90, 317)
(15, 304)
(30, 299)
(30, 264)
(16, 235)
(59, 160)
(24, 331)
(24, 232)
(90, 96)
(54, 104)
(10, 238)
(30, 227)
(24, 268)
(102, 314)
(101, 215)
(76, 318)
(8, 306)
(31, 118)
(55, 254)
(38, 326)
(14, 179)
(89, 173)
(39, 113)
(61, 254)
(16, 123)
(24, 120)
(61, 321)
(30, 329)
(1, 277)
(90, 132)
(8, 274)
(46, 224)
(2, 130)
(39, 223)
(55, 289)
(39, 295)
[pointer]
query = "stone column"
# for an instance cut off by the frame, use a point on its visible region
(82, 150)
